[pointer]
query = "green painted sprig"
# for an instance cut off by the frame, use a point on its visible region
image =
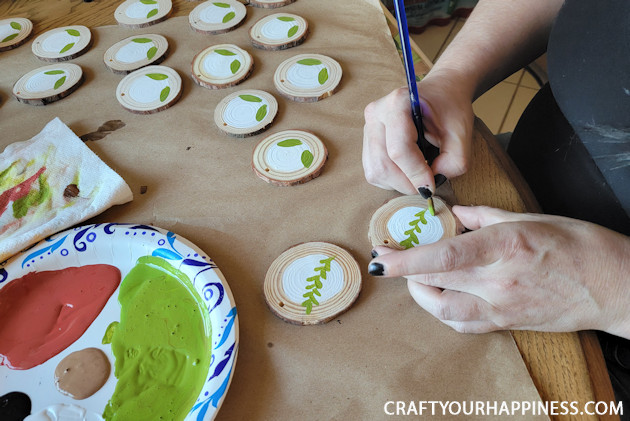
(315, 284)
(412, 238)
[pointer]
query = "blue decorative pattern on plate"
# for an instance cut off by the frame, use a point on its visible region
(121, 245)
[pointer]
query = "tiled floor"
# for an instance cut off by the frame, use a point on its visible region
(500, 107)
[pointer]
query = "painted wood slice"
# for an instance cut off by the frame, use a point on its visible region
(142, 13)
(136, 52)
(48, 83)
(217, 17)
(149, 90)
(405, 222)
(14, 32)
(246, 113)
(308, 77)
(269, 4)
(312, 283)
(61, 44)
(279, 31)
(221, 66)
(289, 157)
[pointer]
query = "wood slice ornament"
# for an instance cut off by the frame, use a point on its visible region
(149, 90)
(270, 4)
(142, 13)
(279, 31)
(135, 52)
(289, 157)
(246, 113)
(221, 66)
(14, 32)
(217, 17)
(48, 83)
(312, 283)
(405, 222)
(308, 77)
(61, 44)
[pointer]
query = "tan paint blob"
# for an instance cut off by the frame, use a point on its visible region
(82, 373)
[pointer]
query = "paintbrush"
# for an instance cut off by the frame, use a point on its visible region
(428, 150)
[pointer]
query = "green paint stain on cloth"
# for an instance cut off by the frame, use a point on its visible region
(161, 345)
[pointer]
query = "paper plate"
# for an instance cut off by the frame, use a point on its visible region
(121, 245)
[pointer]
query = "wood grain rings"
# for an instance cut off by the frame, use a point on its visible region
(135, 52)
(14, 32)
(279, 31)
(308, 77)
(149, 90)
(312, 283)
(246, 113)
(213, 17)
(221, 66)
(61, 44)
(142, 13)
(48, 83)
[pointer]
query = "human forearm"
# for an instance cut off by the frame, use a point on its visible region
(500, 37)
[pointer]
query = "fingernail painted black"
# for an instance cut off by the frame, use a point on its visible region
(376, 269)
(439, 180)
(374, 253)
(424, 192)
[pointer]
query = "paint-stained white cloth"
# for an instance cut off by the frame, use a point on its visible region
(37, 187)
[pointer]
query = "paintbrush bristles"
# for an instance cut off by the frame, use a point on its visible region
(431, 207)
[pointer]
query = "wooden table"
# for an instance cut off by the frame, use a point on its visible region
(564, 367)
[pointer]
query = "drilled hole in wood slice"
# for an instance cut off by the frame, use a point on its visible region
(221, 66)
(135, 52)
(308, 77)
(48, 83)
(217, 17)
(405, 222)
(279, 31)
(246, 113)
(140, 14)
(312, 283)
(289, 157)
(62, 44)
(14, 32)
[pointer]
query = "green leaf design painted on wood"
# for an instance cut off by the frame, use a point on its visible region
(73, 32)
(315, 284)
(148, 1)
(229, 17)
(141, 40)
(286, 19)
(164, 93)
(262, 112)
(66, 48)
(9, 38)
(16, 26)
(157, 76)
(152, 13)
(223, 5)
(250, 98)
(224, 52)
(292, 31)
(289, 142)
(151, 52)
(309, 62)
(323, 76)
(412, 238)
(235, 66)
(60, 82)
(307, 159)
(54, 72)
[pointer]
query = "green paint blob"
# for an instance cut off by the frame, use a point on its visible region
(161, 345)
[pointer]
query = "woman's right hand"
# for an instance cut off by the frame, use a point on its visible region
(391, 158)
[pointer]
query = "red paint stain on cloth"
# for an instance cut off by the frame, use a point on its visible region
(42, 313)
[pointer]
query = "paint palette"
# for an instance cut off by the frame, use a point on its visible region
(125, 246)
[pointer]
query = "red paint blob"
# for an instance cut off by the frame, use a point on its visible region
(42, 313)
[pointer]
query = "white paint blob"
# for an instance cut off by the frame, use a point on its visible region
(140, 10)
(277, 29)
(6, 30)
(63, 412)
(218, 66)
(133, 52)
(399, 223)
(305, 77)
(241, 114)
(146, 90)
(215, 14)
(286, 159)
(57, 41)
(297, 272)
(42, 82)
